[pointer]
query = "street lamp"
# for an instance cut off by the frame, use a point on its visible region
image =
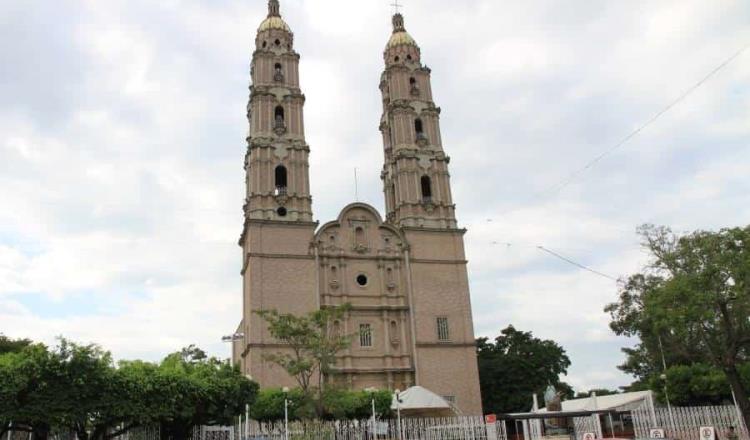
(233, 337)
(398, 414)
(371, 392)
(285, 390)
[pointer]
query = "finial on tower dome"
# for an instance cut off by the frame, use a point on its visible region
(398, 22)
(273, 8)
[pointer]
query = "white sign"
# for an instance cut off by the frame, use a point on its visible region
(588, 436)
(656, 433)
(707, 433)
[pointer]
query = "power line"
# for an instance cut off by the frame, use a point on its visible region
(567, 181)
(568, 260)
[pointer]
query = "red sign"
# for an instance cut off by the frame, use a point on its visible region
(490, 418)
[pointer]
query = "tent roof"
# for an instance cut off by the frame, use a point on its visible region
(418, 397)
(614, 402)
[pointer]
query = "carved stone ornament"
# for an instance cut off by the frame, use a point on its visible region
(281, 199)
(334, 284)
(429, 207)
(391, 286)
(360, 248)
(279, 129)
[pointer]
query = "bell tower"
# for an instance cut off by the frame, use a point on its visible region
(276, 164)
(415, 175)
(278, 268)
(418, 201)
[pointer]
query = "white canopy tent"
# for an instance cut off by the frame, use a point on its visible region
(418, 401)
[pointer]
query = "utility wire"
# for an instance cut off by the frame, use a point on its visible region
(567, 181)
(508, 245)
(568, 260)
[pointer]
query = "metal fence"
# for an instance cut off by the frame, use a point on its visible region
(684, 422)
(449, 428)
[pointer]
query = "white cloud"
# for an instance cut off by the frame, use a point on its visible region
(122, 139)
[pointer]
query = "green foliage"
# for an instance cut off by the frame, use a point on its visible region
(312, 340)
(8, 345)
(335, 404)
(78, 387)
(269, 405)
(517, 365)
(693, 301)
(348, 404)
(598, 391)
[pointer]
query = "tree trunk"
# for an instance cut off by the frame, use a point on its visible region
(740, 393)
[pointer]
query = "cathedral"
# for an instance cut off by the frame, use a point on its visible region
(404, 274)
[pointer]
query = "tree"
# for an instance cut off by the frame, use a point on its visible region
(517, 365)
(77, 387)
(8, 345)
(313, 341)
(692, 302)
(598, 391)
(190, 389)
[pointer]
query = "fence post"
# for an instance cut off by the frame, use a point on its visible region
(490, 422)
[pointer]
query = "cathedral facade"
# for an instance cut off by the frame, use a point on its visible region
(404, 274)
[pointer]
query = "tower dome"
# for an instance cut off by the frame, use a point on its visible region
(274, 20)
(400, 37)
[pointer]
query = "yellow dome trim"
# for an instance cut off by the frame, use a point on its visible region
(274, 23)
(401, 38)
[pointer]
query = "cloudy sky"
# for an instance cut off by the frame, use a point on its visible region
(122, 140)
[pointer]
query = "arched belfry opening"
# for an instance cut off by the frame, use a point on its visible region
(426, 184)
(278, 115)
(280, 180)
(419, 129)
(278, 73)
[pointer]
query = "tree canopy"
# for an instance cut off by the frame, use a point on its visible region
(691, 303)
(517, 365)
(79, 388)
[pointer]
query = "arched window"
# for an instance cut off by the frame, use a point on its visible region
(278, 74)
(426, 184)
(280, 179)
(279, 118)
(419, 129)
(413, 86)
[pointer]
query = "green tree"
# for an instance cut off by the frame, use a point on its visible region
(692, 300)
(517, 365)
(197, 390)
(598, 391)
(313, 342)
(8, 345)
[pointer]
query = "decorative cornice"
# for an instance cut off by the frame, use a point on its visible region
(446, 344)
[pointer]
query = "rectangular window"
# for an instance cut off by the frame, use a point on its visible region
(443, 332)
(365, 335)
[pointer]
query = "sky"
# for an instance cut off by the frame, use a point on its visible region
(122, 127)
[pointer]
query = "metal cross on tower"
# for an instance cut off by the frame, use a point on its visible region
(396, 6)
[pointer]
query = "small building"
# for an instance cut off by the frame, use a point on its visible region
(605, 416)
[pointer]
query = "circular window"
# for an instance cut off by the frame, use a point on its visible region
(397, 59)
(281, 212)
(362, 280)
(408, 57)
(265, 44)
(277, 42)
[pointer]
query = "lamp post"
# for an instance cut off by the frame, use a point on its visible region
(398, 414)
(371, 391)
(286, 412)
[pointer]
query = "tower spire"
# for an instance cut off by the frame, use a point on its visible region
(273, 8)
